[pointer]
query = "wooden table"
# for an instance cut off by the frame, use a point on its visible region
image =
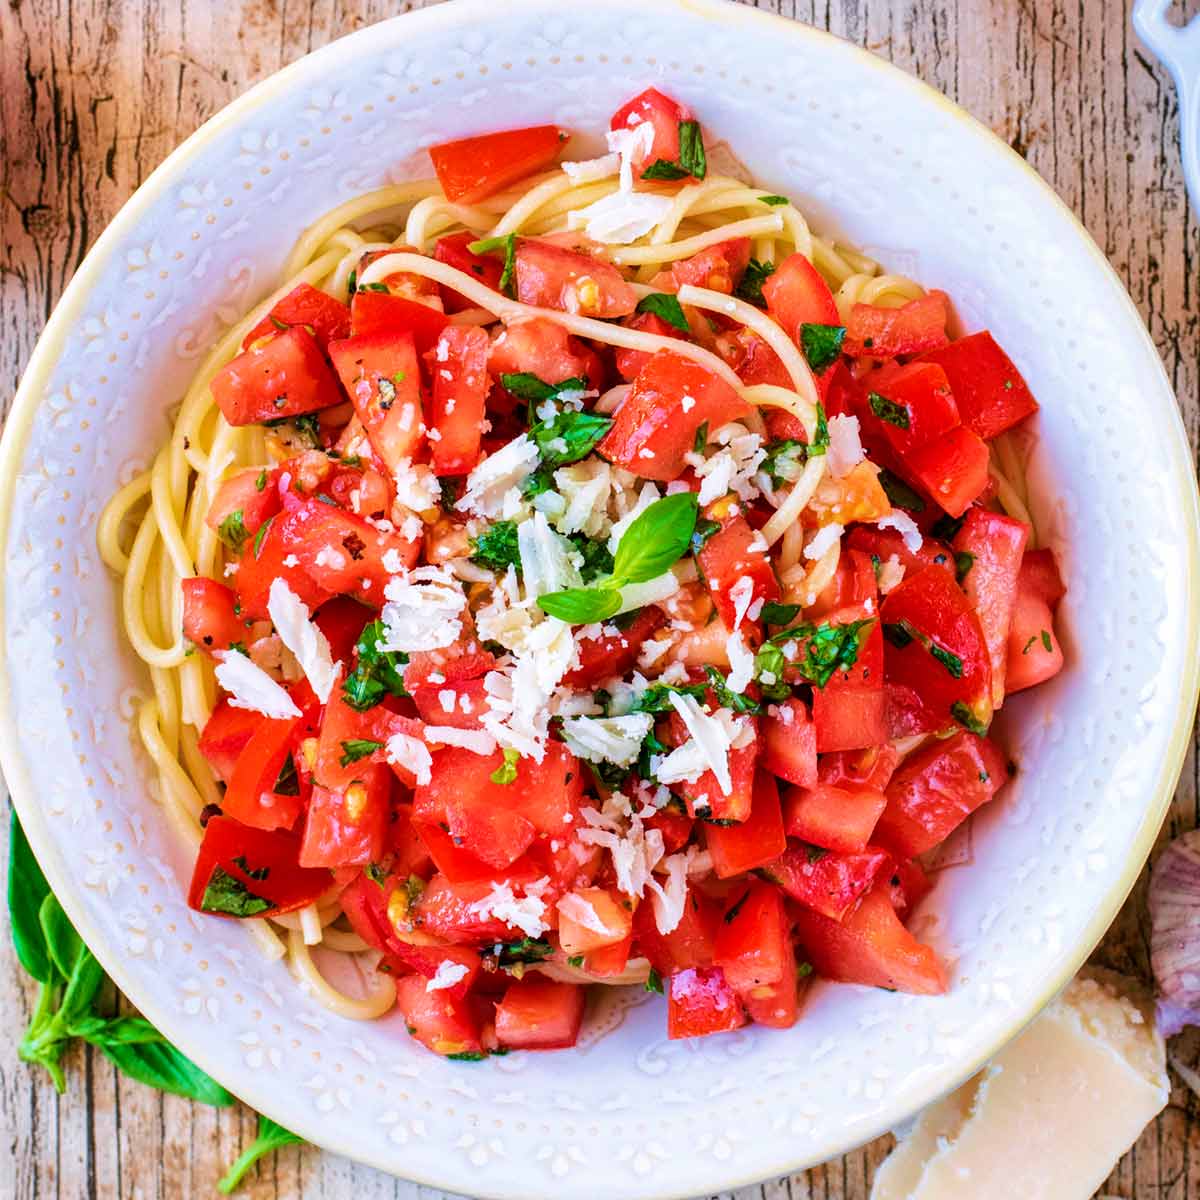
(94, 95)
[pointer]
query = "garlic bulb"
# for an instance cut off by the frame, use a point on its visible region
(1175, 933)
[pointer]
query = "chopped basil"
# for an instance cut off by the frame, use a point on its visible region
(507, 243)
(377, 673)
(288, 781)
(899, 494)
(700, 441)
(731, 914)
(774, 613)
(568, 436)
(666, 307)
(373, 287)
(692, 159)
(527, 386)
(261, 481)
(358, 748)
(967, 719)
(773, 200)
(597, 560)
(262, 533)
(507, 771)
(1046, 642)
(826, 648)
(227, 894)
(449, 487)
(576, 960)
(750, 286)
(657, 697)
(899, 633)
(496, 547)
(946, 527)
(726, 696)
(1029, 645)
(888, 410)
(904, 633)
(950, 661)
(964, 560)
(822, 344)
(526, 950)
(232, 531)
(704, 530)
(654, 982)
(820, 441)
(784, 460)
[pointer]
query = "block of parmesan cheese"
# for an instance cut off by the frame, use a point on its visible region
(1048, 1118)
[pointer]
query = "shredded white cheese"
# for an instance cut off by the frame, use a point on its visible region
(412, 754)
(251, 687)
(905, 526)
(478, 741)
(823, 540)
(423, 610)
(575, 908)
(607, 739)
(290, 616)
(526, 913)
(447, 975)
(845, 449)
(489, 484)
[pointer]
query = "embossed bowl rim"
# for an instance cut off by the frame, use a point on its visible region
(459, 16)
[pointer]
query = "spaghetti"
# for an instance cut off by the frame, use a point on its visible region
(792, 355)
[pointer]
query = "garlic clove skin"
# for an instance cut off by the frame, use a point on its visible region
(1174, 902)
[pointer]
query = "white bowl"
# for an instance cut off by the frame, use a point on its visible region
(896, 169)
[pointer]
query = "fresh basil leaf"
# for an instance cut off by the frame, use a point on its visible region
(609, 775)
(888, 410)
(820, 441)
(527, 386)
(131, 1030)
(357, 749)
(581, 606)
(81, 989)
(27, 889)
(774, 613)
(163, 1067)
(950, 661)
(496, 547)
(506, 773)
(726, 696)
(749, 287)
(526, 950)
(691, 149)
(667, 308)
(899, 633)
(701, 534)
(377, 673)
(568, 436)
(271, 1137)
(661, 168)
(229, 895)
(232, 531)
(657, 697)
(64, 944)
(541, 480)
(773, 200)
(506, 242)
(822, 344)
(656, 539)
(899, 494)
(826, 648)
(654, 982)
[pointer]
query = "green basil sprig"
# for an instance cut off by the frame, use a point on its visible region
(652, 544)
(69, 978)
(270, 1137)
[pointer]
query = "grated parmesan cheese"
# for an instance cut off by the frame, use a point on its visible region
(290, 616)
(905, 526)
(478, 741)
(526, 913)
(447, 975)
(607, 739)
(489, 484)
(845, 450)
(251, 687)
(824, 540)
(412, 754)
(423, 610)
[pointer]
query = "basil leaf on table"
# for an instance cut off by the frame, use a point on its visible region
(27, 888)
(271, 1136)
(163, 1067)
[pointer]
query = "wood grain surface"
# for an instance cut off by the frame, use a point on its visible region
(95, 93)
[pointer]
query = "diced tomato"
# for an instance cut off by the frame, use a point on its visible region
(539, 1014)
(630, 362)
(831, 817)
(487, 268)
(550, 276)
(457, 864)
(284, 377)
(995, 545)
(380, 313)
(753, 943)
(609, 960)
(425, 961)
(245, 872)
(990, 392)
(936, 789)
(365, 904)
(868, 769)
(325, 317)
(850, 711)
(253, 495)
(796, 295)
(675, 826)
(459, 704)
(689, 944)
(653, 428)
(953, 469)
(460, 389)
(884, 543)
(719, 268)
(340, 552)
(616, 654)
(341, 620)
(592, 918)
(438, 1020)
(346, 828)
(870, 947)
(1033, 653)
(447, 910)
(700, 1001)
(473, 168)
(776, 1005)
(251, 797)
(909, 885)
(936, 648)
(381, 375)
(924, 407)
(705, 797)
(733, 555)
(1041, 577)
(664, 114)
(265, 559)
(461, 660)
(756, 362)
(790, 743)
(827, 881)
(409, 854)
(917, 326)
(225, 737)
(210, 619)
(543, 348)
(758, 839)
